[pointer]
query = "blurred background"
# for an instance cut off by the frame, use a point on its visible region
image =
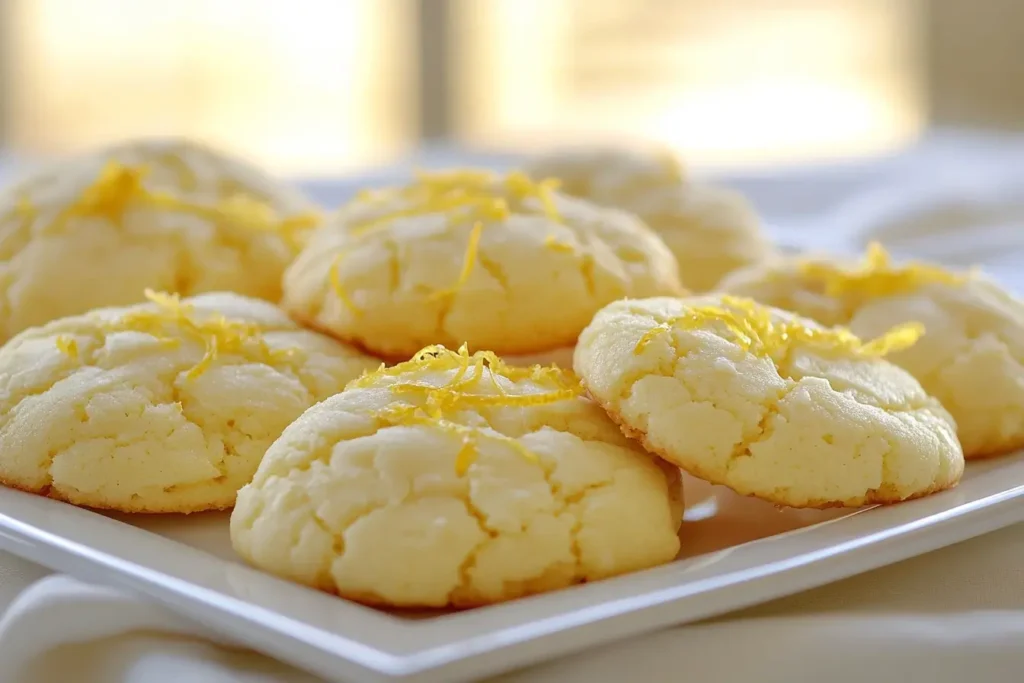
(322, 87)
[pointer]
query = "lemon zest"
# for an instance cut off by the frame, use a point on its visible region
(439, 405)
(554, 244)
(672, 164)
(217, 334)
(24, 208)
(876, 276)
(752, 327)
(338, 286)
(463, 196)
(118, 186)
(67, 345)
(113, 190)
(468, 261)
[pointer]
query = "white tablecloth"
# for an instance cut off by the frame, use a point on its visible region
(953, 615)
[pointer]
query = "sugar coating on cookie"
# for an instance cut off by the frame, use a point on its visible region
(711, 230)
(767, 403)
(456, 480)
(171, 215)
(971, 357)
(166, 406)
(502, 263)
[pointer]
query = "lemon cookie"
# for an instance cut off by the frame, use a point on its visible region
(971, 357)
(170, 215)
(711, 230)
(456, 480)
(609, 174)
(767, 403)
(166, 406)
(499, 262)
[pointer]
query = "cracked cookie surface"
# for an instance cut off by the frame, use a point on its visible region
(711, 230)
(170, 215)
(166, 406)
(456, 480)
(767, 403)
(499, 262)
(971, 356)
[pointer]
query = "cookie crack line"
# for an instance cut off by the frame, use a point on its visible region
(172, 399)
(765, 428)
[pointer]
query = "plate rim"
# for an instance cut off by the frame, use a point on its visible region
(490, 640)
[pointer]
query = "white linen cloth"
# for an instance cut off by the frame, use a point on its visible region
(953, 615)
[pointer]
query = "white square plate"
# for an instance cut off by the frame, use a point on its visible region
(736, 552)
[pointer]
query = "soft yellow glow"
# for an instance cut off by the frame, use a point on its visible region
(738, 82)
(303, 85)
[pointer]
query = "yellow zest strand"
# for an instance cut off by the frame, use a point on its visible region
(466, 456)
(339, 287)
(115, 188)
(217, 334)
(468, 261)
(119, 186)
(672, 164)
(522, 187)
(439, 405)
(876, 276)
(553, 243)
(68, 346)
(752, 327)
(258, 216)
(896, 339)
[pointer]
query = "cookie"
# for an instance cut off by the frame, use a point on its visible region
(767, 403)
(165, 214)
(166, 406)
(609, 174)
(501, 263)
(456, 480)
(972, 354)
(711, 230)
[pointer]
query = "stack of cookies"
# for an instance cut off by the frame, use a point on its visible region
(474, 386)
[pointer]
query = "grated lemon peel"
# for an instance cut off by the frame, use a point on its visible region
(67, 345)
(461, 196)
(876, 276)
(468, 261)
(339, 287)
(24, 207)
(752, 327)
(474, 381)
(172, 320)
(466, 195)
(119, 186)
